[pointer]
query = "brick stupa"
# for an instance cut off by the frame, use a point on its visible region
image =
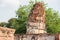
(36, 20)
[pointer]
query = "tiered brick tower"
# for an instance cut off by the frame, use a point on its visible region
(36, 20)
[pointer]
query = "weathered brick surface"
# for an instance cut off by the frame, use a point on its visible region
(36, 20)
(6, 33)
(34, 37)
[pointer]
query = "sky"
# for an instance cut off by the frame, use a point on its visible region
(8, 7)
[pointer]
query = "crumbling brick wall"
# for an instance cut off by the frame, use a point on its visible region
(34, 37)
(6, 33)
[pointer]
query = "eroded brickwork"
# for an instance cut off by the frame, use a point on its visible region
(6, 33)
(36, 20)
(34, 37)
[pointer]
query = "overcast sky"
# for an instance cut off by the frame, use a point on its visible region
(9, 7)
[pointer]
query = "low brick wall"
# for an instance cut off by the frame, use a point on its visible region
(34, 37)
(6, 33)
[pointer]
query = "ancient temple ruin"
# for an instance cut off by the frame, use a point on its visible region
(36, 20)
(36, 29)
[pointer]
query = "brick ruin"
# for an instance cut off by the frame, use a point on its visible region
(36, 20)
(36, 29)
(34, 37)
(6, 33)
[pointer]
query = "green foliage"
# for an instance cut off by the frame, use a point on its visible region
(12, 23)
(3, 24)
(52, 21)
(16, 24)
(22, 16)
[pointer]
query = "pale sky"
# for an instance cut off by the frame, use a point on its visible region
(9, 7)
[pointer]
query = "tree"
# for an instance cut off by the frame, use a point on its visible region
(52, 21)
(3, 24)
(22, 15)
(12, 23)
